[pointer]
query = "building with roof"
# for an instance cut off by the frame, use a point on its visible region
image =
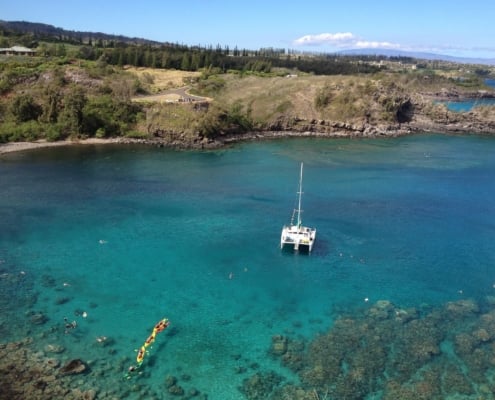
(17, 51)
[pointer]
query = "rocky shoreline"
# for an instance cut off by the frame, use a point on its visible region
(26, 374)
(448, 123)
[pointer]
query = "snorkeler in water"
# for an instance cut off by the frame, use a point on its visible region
(69, 325)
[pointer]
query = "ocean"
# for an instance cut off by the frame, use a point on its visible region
(467, 105)
(117, 237)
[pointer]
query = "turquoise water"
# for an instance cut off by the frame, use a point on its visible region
(467, 105)
(129, 235)
(490, 82)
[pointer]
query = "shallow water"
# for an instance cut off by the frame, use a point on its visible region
(133, 234)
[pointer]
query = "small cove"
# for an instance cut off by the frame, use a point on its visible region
(133, 234)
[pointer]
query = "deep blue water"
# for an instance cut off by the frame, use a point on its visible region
(133, 234)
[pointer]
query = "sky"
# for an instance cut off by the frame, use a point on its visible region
(451, 27)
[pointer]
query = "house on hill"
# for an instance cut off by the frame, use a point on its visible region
(17, 51)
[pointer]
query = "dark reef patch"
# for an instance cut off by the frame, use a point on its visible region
(391, 353)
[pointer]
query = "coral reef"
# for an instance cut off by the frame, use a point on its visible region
(391, 353)
(25, 374)
(260, 384)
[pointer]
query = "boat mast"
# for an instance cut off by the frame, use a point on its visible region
(299, 222)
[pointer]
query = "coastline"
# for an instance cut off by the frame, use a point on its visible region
(12, 147)
(203, 143)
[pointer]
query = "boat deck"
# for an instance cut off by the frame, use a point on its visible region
(297, 236)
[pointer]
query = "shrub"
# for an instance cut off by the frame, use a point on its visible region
(24, 108)
(323, 98)
(20, 132)
(211, 86)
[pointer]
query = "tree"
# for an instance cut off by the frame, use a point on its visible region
(24, 108)
(186, 62)
(61, 51)
(51, 103)
(71, 118)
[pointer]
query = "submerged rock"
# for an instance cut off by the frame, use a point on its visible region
(38, 318)
(61, 300)
(48, 281)
(279, 345)
(193, 392)
(170, 381)
(54, 348)
(176, 390)
(73, 367)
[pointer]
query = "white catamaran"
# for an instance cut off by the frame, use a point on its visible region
(295, 234)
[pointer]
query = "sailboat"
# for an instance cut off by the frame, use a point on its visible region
(296, 235)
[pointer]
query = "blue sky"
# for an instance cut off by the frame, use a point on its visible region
(459, 28)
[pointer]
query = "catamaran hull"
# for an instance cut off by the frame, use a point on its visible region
(297, 238)
(301, 248)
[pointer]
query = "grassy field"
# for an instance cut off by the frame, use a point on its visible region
(157, 80)
(346, 98)
(268, 98)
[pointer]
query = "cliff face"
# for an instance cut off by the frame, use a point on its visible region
(412, 117)
(361, 106)
(413, 114)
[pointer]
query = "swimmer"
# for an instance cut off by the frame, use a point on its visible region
(101, 241)
(231, 276)
(101, 339)
(69, 325)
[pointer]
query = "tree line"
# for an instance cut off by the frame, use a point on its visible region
(196, 58)
(118, 50)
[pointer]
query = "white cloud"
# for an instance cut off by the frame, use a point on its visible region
(342, 40)
(364, 44)
(339, 39)
(348, 40)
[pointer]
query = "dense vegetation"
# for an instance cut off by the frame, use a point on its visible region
(80, 84)
(55, 100)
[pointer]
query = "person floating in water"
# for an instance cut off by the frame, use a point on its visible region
(69, 325)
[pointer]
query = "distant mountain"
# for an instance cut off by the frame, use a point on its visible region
(417, 55)
(49, 32)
